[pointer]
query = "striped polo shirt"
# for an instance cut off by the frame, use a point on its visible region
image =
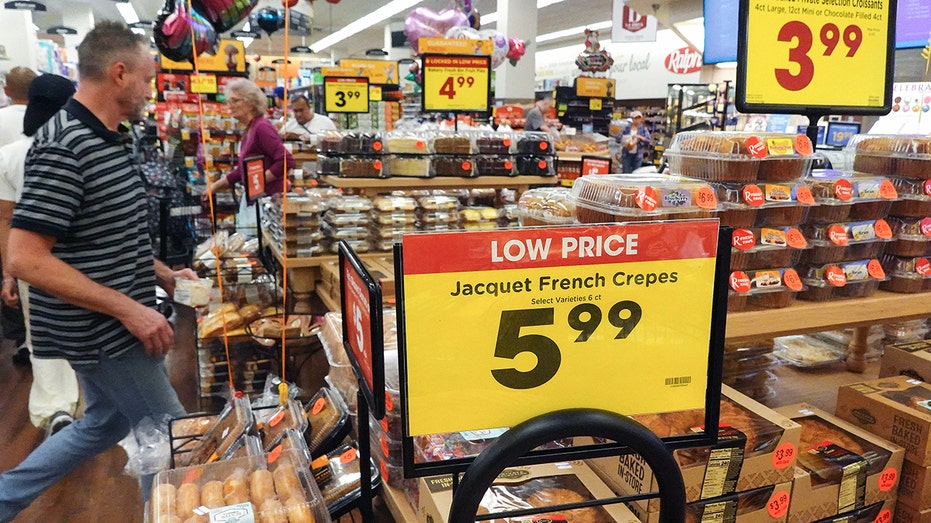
(83, 188)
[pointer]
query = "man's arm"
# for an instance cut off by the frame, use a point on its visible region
(9, 292)
(165, 276)
(31, 260)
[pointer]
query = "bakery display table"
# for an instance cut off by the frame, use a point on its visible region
(520, 183)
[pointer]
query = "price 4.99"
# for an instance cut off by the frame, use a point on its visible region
(799, 32)
(449, 87)
(584, 318)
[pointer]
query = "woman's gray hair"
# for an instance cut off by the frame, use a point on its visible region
(251, 94)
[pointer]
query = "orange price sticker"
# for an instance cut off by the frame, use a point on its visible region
(318, 407)
(753, 195)
(884, 516)
(706, 198)
(803, 145)
(756, 147)
(376, 146)
(887, 479)
(838, 235)
(882, 229)
(508, 164)
(784, 456)
(792, 280)
(740, 282)
(420, 144)
(778, 504)
(887, 190)
(544, 145)
(743, 239)
(276, 419)
(647, 199)
(804, 196)
(541, 164)
(384, 446)
(347, 457)
(843, 190)
(384, 421)
(835, 276)
(923, 266)
(506, 142)
(377, 164)
(795, 238)
(389, 403)
(275, 454)
(875, 269)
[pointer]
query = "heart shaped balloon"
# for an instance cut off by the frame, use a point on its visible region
(173, 29)
(500, 42)
(426, 23)
(463, 33)
(224, 14)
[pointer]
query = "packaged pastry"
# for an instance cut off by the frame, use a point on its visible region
(362, 167)
(494, 166)
(478, 214)
(766, 247)
(434, 217)
(331, 143)
(764, 204)
(272, 422)
(807, 351)
(630, 197)
(843, 197)
(908, 156)
(853, 279)
(906, 274)
(911, 236)
(493, 143)
(545, 206)
(438, 203)
(535, 143)
(347, 232)
(788, 157)
(915, 197)
(449, 143)
(339, 475)
(362, 143)
(394, 218)
(346, 219)
(461, 166)
(359, 245)
(386, 203)
(409, 166)
(350, 204)
(535, 166)
(846, 241)
(393, 231)
(328, 419)
(404, 142)
(233, 422)
(770, 288)
(716, 156)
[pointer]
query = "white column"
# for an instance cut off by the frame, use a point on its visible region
(518, 19)
(81, 18)
(19, 38)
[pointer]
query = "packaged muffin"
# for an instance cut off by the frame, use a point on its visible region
(908, 156)
(911, 236)
(846, 241)
(450, 143)
(715, 156)
(853, 279)
(461, 166)
(915, 198)
(766, 247)
(755, 285)
(788, 157)
(535, 166)
(349, 204)
(545, 206)
(906, 274)
(362, 167)
(409, 166)
(494, 166)
(493, 143)
(843, 197)
(630, 197)
(405, 142)
(535, 143)
(764, 204)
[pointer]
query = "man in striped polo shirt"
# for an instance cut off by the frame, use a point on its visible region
(80, 239)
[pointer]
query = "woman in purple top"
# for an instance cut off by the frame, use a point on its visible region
(247, 105)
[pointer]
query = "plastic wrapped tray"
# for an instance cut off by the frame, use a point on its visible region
(627, 197)
(912, 236)
(808, 352)
(329, 421)
(907, 156)
(846, 241)
(906, 274)
(766, 247)
(545, 206)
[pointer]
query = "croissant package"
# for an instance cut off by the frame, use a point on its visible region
(765, 504)
(840, 467)
(756, 448)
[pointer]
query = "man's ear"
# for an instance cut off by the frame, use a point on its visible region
(117, 72)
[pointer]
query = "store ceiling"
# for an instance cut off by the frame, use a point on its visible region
(329, 17)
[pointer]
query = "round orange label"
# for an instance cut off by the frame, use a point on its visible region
(376, 146)
(420, 144)
(544, 146)
(835, 276)
(740, 282)
(843, 190)
(802, 145)
(882, 229)
(778, 504)
(384, 422)
(803, 195)
(795, 238)
(887, 479)
(348, 457)
(275, 454)
(753, 195)
(875, 269)
(318, 407)
(647, 199)
(506, 142)
(756, 147)
(838, 235)
(884, 516)
(541, 165)
(706, 198)
(508, 165)
(742, 239)
(887, 190)
(384, 446)
(923, 266)
(783, 456)
(792, 280)
(466, 166)
(389, 404)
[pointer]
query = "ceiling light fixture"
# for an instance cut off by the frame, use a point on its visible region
(574, 31)
(492, 18)
(127, 12)
(381, 14)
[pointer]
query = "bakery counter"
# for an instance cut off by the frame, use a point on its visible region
(520, 183)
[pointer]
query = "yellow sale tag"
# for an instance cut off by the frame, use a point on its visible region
(809, 54)
(502, 326)
(455, 46)
(375, 93)
(601, 87)
(594, 104)
(346, 95)
(377, 71)
(203, 83)
(456, 83)
(780, 146)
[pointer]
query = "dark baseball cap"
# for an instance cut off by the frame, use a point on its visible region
(47, 94)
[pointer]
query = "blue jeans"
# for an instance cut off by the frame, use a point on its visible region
(119, 392)
(630, 162)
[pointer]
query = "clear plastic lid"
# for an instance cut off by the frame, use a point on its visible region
(494, 165)
(730, 145)
(452, 166)
(913, 229)
(765, 280)
(634, 195)
(407, 142)
(416, 166)
(393, 231)
(395, 218)
(909, 189)
(767, 238)
(392, 204)
(849, 233)
(328, 416)
(233, 422)
(534, 165)
(272, 422)
(901, 155)
(833, 187)
(367, 142)
(840, 274)
(807, 351)
(350, 204)
(339, 474)
(448, 217)
(906, 267)
(537, 143)
(331, 142)
(452, 143)
(357, 245)
(299, 204)
(438, 203)
(293, 442)
(362, 167)
(549, 205)
(478, 214)
(494, 142)
(762, 195)
(341, 219)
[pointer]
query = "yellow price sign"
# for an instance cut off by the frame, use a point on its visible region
(809, 55)
(594, 104)
(553, 316)
(203, 83)
(375, 93)
(456, 83)
(346, 94)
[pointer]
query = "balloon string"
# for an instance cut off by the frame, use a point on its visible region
(284, 201)
(213, 217)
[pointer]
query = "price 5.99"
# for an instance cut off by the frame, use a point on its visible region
(449, 87)
(584, 318)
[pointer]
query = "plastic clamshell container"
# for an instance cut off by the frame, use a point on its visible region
(907, 156)
(349, 204)
(735, 367)
(840, 196)
(546, 206)
(446, 217)
(452, 166)
(911, 236)
(737, 156)
(273, 421)
(487, 165)
(438, 203)
(494, 143)
(807, 351)
(329, 421)
(393, 204)
(362, 167)
(344, 487)
(299, 204)
(293, 441)
(853, 279)
(394, 218)
(534, 143)
(343, 219)
(915, 198)
(390, 473)
(358, 245)
(631, 197)
(366, 142)
(846, 241)
(392, 232)
(348, 232)
(906, 274)
(409, 166)
(453, 143)
(527, 165)
(475, 214)
(766, 247)
(770, 288)
(776, 204)
(406, 142)
(233, 422)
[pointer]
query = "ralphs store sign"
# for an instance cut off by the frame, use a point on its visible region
(684, 60)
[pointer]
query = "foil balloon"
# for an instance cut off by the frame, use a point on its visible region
(516, 50)
(268, 19)
(464, 5)
(173, 29)
(224, 14)
(288, 3)
(426, 23)
(463, 33)
(500, 42)
(475, 19)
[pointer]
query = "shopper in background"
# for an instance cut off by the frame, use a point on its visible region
(633, 143)
(305, 123)
(277, 113)
(535, 119)
(53, 397)
(247, 105)
(80, 238)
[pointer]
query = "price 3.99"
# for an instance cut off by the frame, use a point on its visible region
(830, 36)
(584, 318)
(342, 96)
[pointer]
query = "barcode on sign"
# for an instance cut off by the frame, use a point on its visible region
(678, 381)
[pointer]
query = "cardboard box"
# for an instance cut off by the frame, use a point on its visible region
(879, 512)
(732, 467)
(436, 495)
(907, 359)
(762, 505)
(846, 468)
(897, 408)
(915, 486)
(907, 514)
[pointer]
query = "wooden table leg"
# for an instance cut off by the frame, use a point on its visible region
(856, 352)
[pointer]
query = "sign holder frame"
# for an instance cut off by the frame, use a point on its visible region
(456, 113)
(712, 390)
(355, 80)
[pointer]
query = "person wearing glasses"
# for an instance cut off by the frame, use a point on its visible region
(247, 104)
(305, 123)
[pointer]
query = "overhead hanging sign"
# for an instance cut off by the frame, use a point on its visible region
(377, 71)
(456, 83)
(25, 5)
(836, 56)
(455, 46)
(630, 26)
(538, 320)
(594, 87)
(230, 58)
(346, 94)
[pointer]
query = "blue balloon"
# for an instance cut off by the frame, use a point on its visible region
(269, 20)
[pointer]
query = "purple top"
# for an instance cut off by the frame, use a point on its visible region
(261, 139)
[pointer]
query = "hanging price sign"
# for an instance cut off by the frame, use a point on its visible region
(345, 94)
(456, 83)
(203, 83)
(501, 326)
(835, 56)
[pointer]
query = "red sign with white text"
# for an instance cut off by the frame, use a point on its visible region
(357, 309)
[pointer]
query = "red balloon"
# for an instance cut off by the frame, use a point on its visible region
(288, 3)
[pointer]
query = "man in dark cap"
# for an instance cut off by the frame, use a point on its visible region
(53, 397)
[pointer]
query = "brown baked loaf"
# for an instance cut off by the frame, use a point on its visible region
(560, 496)
(814, 433)
(917, 164)
(873, 155)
